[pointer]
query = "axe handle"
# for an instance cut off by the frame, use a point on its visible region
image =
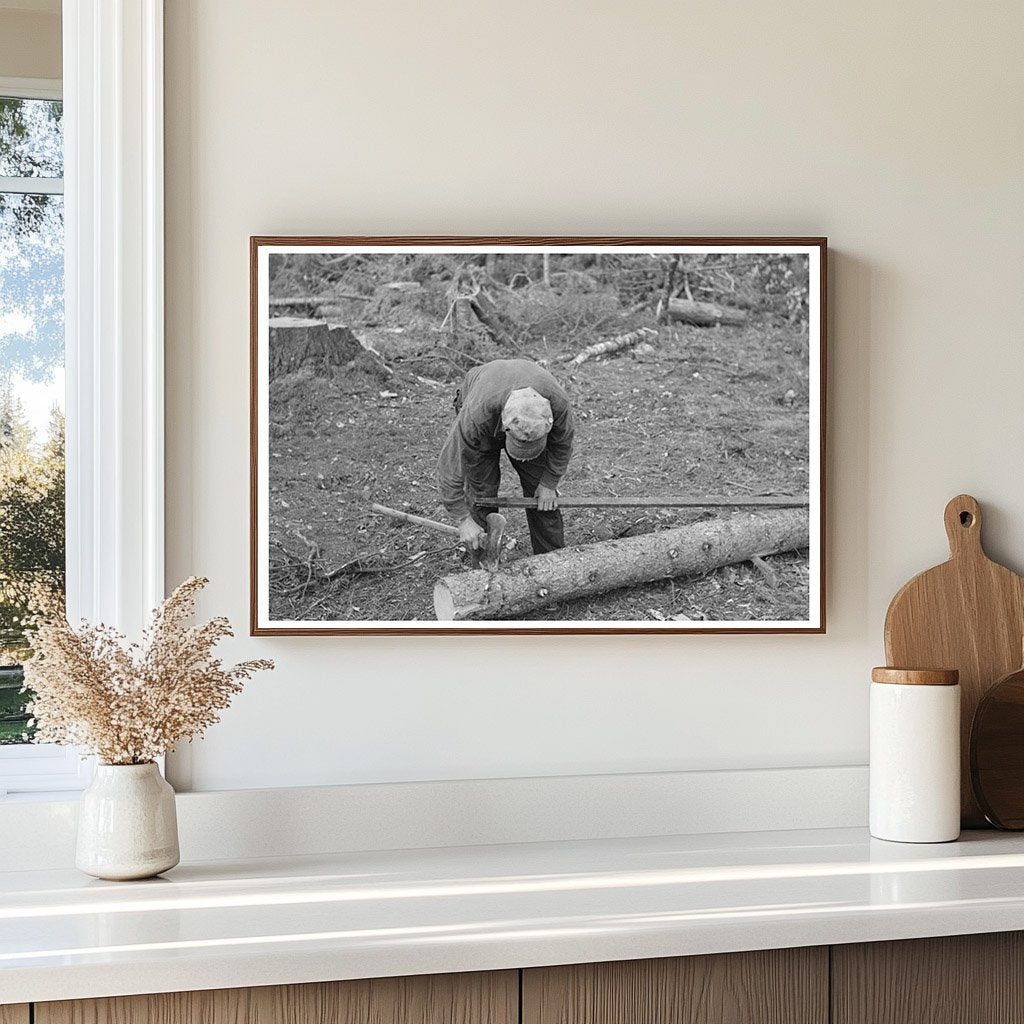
(408, 517)
(514, 501)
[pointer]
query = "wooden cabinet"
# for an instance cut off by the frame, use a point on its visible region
(491, 998)
(778, 986)
(962, 979)
(967, 979)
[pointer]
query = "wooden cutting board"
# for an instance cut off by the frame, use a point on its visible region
(967, 614)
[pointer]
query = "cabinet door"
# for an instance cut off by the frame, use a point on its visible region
(14, 1014)
(778, 986)
(490, 998)
(962, 979)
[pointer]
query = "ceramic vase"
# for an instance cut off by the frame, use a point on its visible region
(127, 825)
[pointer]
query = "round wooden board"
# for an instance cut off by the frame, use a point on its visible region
(997, 752)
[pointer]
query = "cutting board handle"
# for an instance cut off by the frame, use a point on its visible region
(963, 527)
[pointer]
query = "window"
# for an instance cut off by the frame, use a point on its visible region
(112, 207)
(32, 530)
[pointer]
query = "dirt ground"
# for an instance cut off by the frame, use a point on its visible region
(720, 410)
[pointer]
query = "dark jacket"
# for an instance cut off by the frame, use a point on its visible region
(477, 436)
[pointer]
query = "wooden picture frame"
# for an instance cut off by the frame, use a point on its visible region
(730, 403)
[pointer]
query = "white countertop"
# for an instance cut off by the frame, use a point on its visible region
(352, 915)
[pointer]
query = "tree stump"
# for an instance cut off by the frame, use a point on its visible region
(296, 342)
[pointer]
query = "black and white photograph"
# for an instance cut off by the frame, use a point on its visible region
(543, 435)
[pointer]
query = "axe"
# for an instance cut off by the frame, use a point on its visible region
(487, 558)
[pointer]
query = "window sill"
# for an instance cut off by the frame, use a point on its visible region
(43, 771)
(41, 797)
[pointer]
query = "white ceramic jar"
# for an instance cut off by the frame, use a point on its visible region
(127, 823)
(915, 755)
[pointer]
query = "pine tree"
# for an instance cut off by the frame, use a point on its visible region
(15, 430)
(32, 544)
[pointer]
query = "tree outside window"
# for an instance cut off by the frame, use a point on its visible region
(32, 541)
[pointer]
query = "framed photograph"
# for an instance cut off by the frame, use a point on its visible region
(537, 435)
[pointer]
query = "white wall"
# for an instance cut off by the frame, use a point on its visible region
(895, 129)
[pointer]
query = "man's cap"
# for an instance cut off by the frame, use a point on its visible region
(526, 419)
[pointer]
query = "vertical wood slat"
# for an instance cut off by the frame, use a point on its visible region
(478, 998)
(778, 986)
(14, 1014)
(960, 979)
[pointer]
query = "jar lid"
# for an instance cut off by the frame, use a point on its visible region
(916, 676)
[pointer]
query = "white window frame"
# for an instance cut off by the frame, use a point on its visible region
(31, 89)
(114, 348)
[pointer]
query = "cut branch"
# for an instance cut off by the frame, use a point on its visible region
(315, 300)
(590, 569)
(617, 344)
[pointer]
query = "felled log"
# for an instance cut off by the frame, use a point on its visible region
(705, 314)
(616, 344)
(590, 569)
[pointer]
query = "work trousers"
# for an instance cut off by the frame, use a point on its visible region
(547, 531)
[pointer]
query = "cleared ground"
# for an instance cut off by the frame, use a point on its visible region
(709, 411)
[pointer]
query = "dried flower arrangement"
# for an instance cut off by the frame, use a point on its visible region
(130, 703)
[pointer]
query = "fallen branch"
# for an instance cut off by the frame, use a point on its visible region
(367, 347)
(617, 344)
(589, 569)
(769, 573)
(356, 568)
(315, 300)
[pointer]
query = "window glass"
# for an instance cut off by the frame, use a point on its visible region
(31, 138)
(31, 387)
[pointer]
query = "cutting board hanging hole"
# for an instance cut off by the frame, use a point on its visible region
(963, 526)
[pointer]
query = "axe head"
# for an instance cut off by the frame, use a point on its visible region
(495, 535)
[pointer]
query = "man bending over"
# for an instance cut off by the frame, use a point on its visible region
(515, 405)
